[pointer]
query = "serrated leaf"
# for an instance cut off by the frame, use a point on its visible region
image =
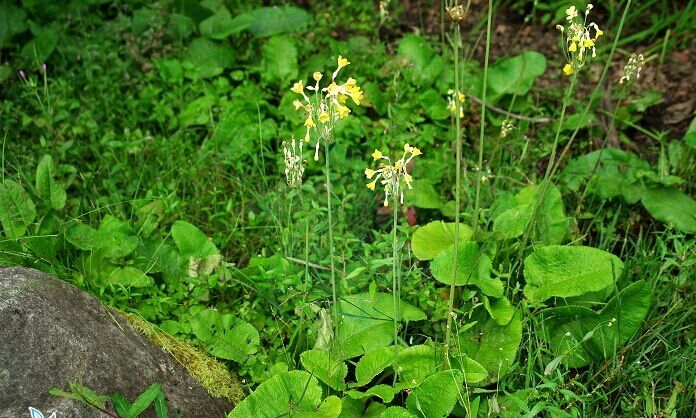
(396, 412)
(437, 395)
(433, 238)
(279, 60)
(565, 271)
(326, 367)
(418, 362)
(17, 211)
(46, 185)
(473, 268)
(287, 393)
(384, 392)
(225, 336)
(672, 207)
(500, 309)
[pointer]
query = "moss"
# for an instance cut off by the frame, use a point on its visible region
(212, 374)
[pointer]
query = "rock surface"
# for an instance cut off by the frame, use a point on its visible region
(51, 333)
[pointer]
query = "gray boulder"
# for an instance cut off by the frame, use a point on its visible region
(52, 332)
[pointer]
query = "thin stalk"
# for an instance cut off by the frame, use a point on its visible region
(306, 263)
(483, 119)
(396, 285)
(331, 243)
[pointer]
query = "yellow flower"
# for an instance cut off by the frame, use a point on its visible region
(599, 32)
(333, 89)
(588, 43)
(416, 152)
(398, 165)
(343, 111)
(461, 97)
(298, 87)
(309, 122)
(351, 82)
(355, 93)
(342, 62)
(372, 185)
(317, 76)
(568, 70)
(377, 154)
(324, 116)
(408, 179)
(298, 104)
(573, 47)
(408, 148)
(369, 173)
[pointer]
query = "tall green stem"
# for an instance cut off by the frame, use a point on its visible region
(396, 285)
(331, 241)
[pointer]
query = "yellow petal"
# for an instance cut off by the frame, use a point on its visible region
(369, 173)
(416, 152)
(372, 185)
(573, 47)
(588, 43)
(342, 62)
(377, 154)
(324, 117)
(309, 122)
(317, 76)
(297, 87)
(568, 70)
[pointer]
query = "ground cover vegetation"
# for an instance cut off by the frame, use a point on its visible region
(369, 209)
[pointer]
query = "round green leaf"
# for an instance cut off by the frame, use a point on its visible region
(671, 207)
(437, 395)
(326, 366)
(433, 238)
(565, 271)
(473, 268)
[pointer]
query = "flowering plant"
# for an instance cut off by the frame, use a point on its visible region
(578, 39)
(392, 175)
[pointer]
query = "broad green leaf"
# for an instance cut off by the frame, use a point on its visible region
(492, 345)
(268, 21)
(418, 362)
(374, 363)
(326, 367)
(13, 21)
(330, 408)
(225, 336)
(563, 328)
(191, 241)
(565, 271)
(550, 225)
(384, 392)
(690, 137)
(500, 309)
(433, 238)
(80, 393)
(208, 57)
(434, 105)
(46, 185)
(197, 112)
(367, 322)
(121, 405)
(426, 65)
(610, 173)
(286, 393)
(279, 60)
(672, 207)
(473, 371)
(396, 412)
(42, 44)
(115, 237)
(130, 276)
(221, 25)
(473, 268)
(516, 75)
(437, 395)
(17, 211)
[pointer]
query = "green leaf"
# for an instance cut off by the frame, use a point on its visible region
(396, 412)
(492, 345)
(161, 408)
(690, 137)
(17, 211)
(130, 276)
(46, 185)
(431, 239)
(368, 320)
(610, 173)
(423, 195)
(384, 392)
(418, 362)
(13, 21)
(82, 394)
(565, 271)
(437, 395)
(516, 75)
(473, 268)
(209, 58)
(551, 224)
(268, 21)
(425, 65)
(191, 241)
(225, 336)
(672, 207)
(145, 399)
(326, 367)
(121, 405)
(501, 309)
(42, 45)
(279, 60)
(221, 25)
(286, 393)
(434, 105)
(374, 363)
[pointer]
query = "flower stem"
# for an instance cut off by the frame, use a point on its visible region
(331, 243)
(396, 285)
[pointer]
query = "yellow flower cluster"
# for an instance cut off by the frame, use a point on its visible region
(390, 176)
(455, 100)
(294, 166)
(327, 105)
(578, 39)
